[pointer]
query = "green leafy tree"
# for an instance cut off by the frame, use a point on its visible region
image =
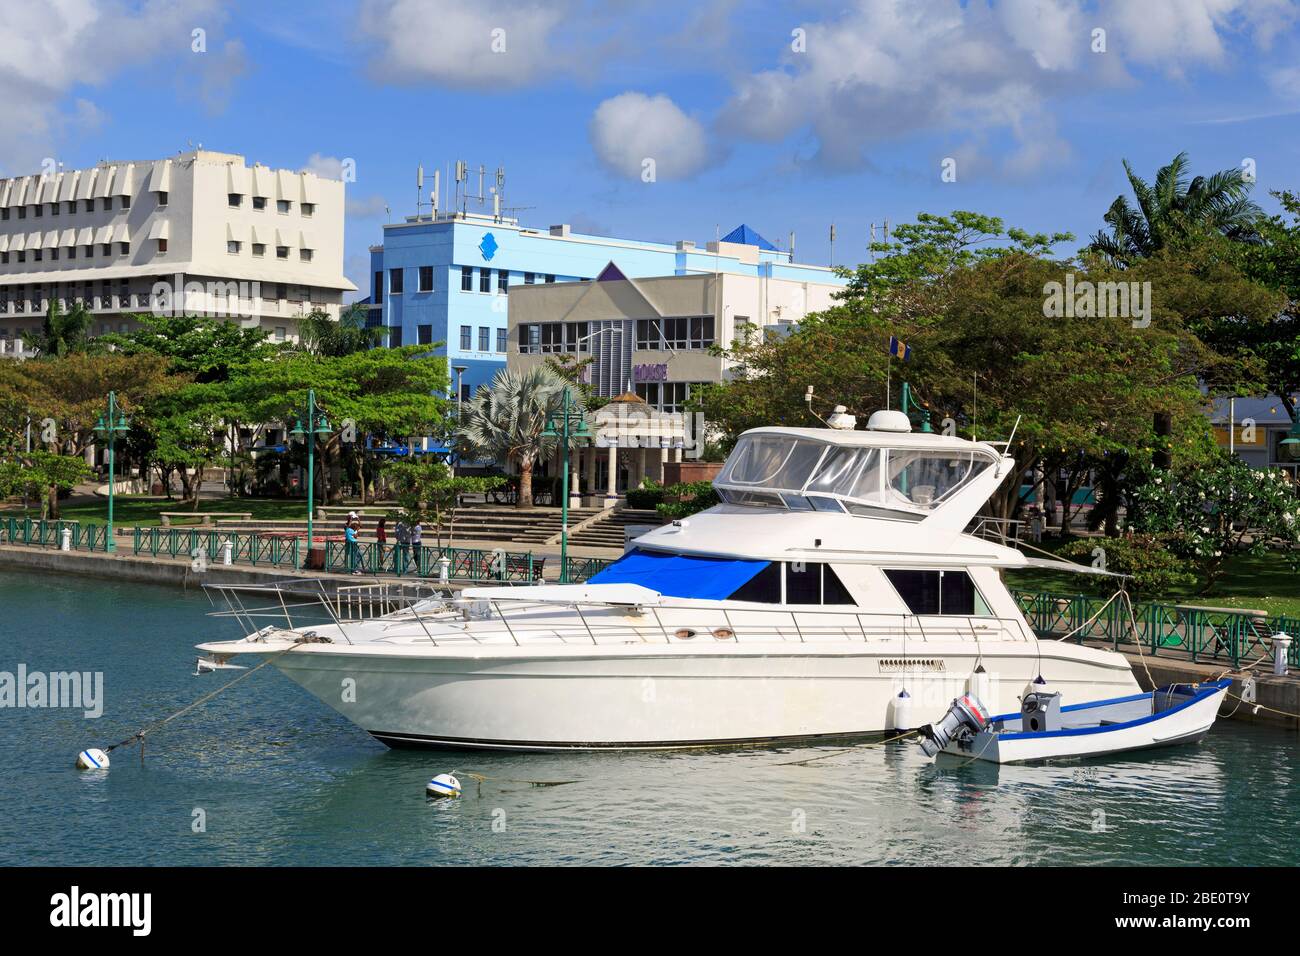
(205, 349)
(505, 422)
(63, 332)
(321, 335)
(1217, 511)
(32, 474)
(1176, 208)
(429, 492)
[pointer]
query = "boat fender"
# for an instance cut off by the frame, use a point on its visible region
(901, 716)
(980, 684)
(443, 785)
(92, 759)
(965, 718)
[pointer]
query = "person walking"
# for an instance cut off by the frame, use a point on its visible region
(403, 535)
(381, 541)
(353, 549)
(417, 530)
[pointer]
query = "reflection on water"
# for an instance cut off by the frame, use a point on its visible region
(281, 779)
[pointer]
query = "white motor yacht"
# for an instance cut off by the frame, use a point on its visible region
(833, 593)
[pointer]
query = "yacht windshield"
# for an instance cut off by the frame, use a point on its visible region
(799, 473)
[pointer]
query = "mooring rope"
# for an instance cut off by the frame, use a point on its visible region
(139, 735)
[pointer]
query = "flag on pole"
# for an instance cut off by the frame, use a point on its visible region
(899, 348)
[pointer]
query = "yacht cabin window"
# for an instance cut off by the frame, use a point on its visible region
(804, 474)
(806, 582)
(938, 592)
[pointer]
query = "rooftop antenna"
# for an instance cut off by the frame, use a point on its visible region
(419, 188)
(462, 174)
(481, 171)
(807, 400)
(792, 245)
(832, 245)
(433, 197)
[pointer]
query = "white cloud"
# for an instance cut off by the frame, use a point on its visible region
(1173, 35)
(366, 207)
(492, 43)
(631, 128)
(48, 48)
(886, 69)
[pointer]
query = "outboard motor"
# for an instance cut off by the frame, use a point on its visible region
(965, 718)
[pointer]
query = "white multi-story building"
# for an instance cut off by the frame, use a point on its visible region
(200, 233)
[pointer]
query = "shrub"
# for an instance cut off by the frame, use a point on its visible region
(649, 495)
(687, 498)
(1154, 570)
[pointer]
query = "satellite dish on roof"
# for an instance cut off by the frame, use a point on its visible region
(889, 421)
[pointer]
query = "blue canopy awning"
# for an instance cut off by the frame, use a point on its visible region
(680, 575)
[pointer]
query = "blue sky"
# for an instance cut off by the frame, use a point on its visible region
(788, 116)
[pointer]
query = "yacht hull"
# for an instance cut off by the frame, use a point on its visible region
(635, 697)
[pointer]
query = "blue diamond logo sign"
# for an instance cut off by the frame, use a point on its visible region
(488, 246)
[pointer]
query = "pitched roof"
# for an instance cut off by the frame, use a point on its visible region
(745, 236)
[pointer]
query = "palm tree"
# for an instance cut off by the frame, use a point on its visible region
(1176, 207)
(64, 332)
(321, 335)
(506, 421)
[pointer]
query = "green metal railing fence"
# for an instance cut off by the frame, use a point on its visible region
(1221, 635)
(279, 550)
(46, 533)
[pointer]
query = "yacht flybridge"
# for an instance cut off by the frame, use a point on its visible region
(832, 593)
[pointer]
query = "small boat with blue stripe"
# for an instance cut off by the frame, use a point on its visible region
(1045, 730)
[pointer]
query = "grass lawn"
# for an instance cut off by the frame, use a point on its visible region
(1264, 583)
(129, 511)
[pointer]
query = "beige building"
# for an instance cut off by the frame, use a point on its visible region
(198, 233)
(649, 339)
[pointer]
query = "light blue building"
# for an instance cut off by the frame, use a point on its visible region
(442, 279)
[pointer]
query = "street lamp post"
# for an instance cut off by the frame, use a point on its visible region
(109, 428)
(561, 429)
(316, 425)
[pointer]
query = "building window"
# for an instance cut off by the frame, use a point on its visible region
(426, 278)
(54, 209)
(466, 279)
(107, 248)
(377, 288)
(259, 202)
(281, 291)
(259, 249)
(530, 338)
(394, 281)
(106, 203)
(233, 246)
(72, 207)
(234, 200)
(687, 332)
(282, 252)
(550, 278)
(485, 280)
(282, 206)
(502, 337)
(308, 209)
(464, 338)
(304, 255)
(36, 255)
(38, 211)
(4, 213)
(424, 334)
(126, 202)
(503, 280)
(484, 338)
(529, 278)
(162, 199)
(395, 336)
(88, 251)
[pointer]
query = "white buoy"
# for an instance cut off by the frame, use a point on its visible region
(443, 785)
(92, 759)
(901, 716)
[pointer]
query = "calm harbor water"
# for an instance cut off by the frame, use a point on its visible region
(279, 778)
